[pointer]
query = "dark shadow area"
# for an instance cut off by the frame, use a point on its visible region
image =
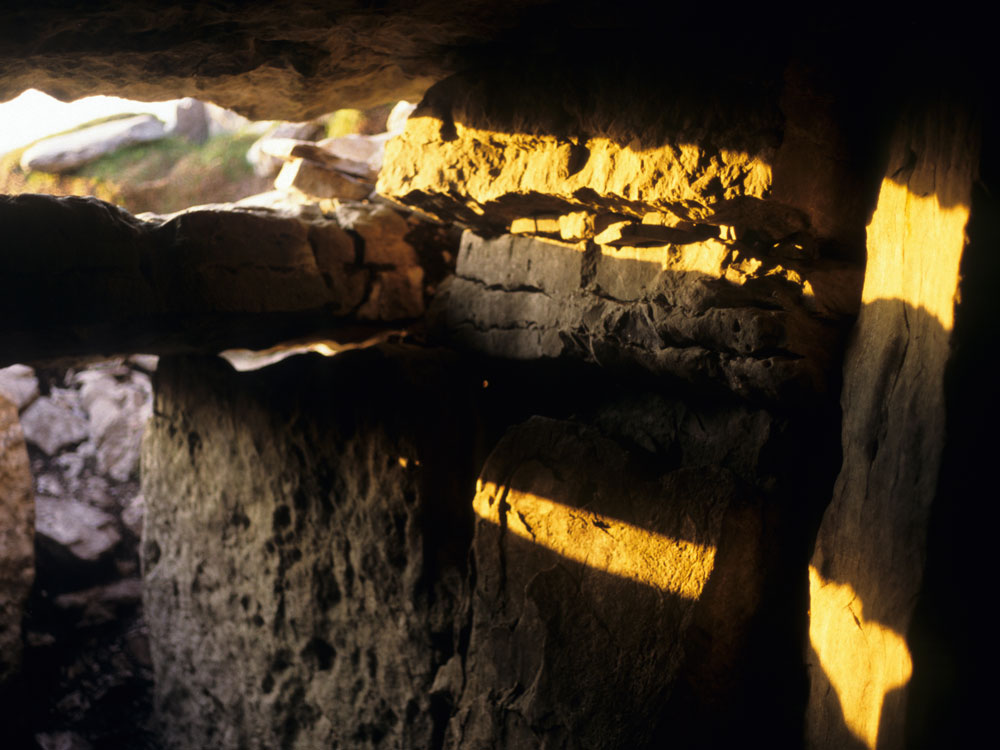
(951, 634)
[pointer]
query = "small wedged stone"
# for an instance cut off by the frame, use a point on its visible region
(290, 149)
(317, 180)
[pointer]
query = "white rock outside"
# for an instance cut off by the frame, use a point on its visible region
(63, 153)
(88, 533)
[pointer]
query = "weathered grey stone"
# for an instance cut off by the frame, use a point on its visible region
(306, 532)
(266, 165)
(383, 231)
(17, 549)
(87, 533)
(19, 385)
(396, 121)
(54, 422)
(290, 149)
(64, 153)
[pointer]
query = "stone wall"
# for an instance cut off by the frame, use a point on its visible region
(578, 507)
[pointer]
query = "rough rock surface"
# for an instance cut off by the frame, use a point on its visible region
(309, 57)
(191, 120)
(870, 554)
(265, 165)
(17, 552)
(584, 568)
(64, 153)
(544, 136)
(117, 413)
(702, 310)
(98, 280)
(630, 554)
(304, 548)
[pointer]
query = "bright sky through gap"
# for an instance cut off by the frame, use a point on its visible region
(33, 115)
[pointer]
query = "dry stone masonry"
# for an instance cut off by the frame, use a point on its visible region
(666, 441)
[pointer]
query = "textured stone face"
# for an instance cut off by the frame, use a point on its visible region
(869, 561)
(497, 145)
(699, 310)
(17, 550)
(575, 147)
(304, 549)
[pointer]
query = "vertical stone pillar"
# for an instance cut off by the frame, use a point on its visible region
(868, 565)
(17, 537)
(304, 547)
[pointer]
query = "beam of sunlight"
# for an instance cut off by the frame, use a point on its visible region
(705, 257)
(598, 541)
(865, 660)
(918, 247)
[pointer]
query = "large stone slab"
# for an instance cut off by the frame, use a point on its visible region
(305, 542)
(868, 566)
(703, 311)
(17, 547)
(64, 153)
(618, 602)
(78, 276)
